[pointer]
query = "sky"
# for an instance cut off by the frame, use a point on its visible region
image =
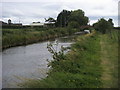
(28, 11)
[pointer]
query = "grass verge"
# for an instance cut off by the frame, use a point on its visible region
(91, 63)
(79, 68)
(109, 59)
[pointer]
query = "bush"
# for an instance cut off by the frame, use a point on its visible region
(79, 68)
(103, 26)
(73, 24)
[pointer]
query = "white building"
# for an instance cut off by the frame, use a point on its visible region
(37, 24)
(47, 24)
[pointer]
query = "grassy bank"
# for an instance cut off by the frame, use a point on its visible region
(109, 59)
(91, 63)
(24, 36)
(80, 68)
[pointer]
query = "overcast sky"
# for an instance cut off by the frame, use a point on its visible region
(28, 11)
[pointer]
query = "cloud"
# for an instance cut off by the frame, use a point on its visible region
(95, 7)
(37, 10)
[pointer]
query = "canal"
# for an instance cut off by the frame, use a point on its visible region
(29, 61)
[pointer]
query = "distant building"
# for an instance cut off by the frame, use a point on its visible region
(2, 23)
(37, 24)
(49, 24)
(10, 23)
(33, 24)
(17, 24)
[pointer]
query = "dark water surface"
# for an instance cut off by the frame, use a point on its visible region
(28, 61)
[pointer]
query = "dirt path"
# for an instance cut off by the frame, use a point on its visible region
(108, 62)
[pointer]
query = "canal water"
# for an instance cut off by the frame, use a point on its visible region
(28, 61)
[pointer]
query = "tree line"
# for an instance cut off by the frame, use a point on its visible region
(77, 18)
(65, 17)
(103, 25)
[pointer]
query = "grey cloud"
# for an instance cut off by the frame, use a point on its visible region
(99, 8)
(30, 11)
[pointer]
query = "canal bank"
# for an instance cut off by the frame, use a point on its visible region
(79, 68)
(29, 61)
(83, 66)
(23, 37)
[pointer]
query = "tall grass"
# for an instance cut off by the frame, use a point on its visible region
(109, 57)
(23, 36)
(79, 68)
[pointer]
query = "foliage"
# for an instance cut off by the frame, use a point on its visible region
(50, 19)
(80, 68)
(66, 17)
(72, 27)
(62, 18)
(103, 25)
(111, 22)
(79, 17)
(56, 55)
(15, 37)
(73, 24)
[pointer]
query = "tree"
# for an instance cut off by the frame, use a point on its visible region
(103, 26)
(79, 17)
(62, 18)
(73, 24)
(72, 27)
(111, 22)
(50, 19)
(66, 16)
